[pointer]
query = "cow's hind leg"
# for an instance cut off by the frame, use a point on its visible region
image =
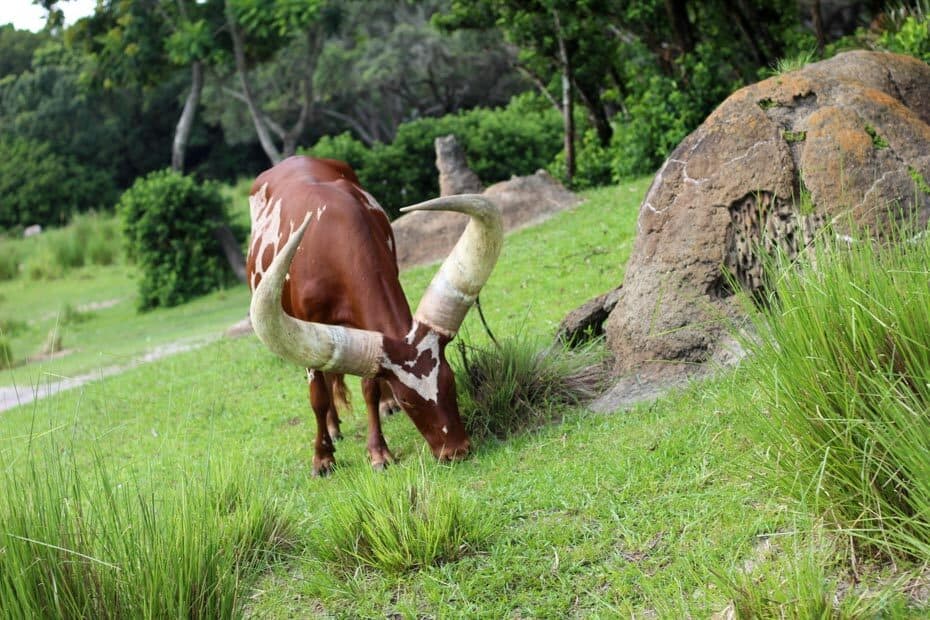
(387, 405)
(377, 447)
(321, 402)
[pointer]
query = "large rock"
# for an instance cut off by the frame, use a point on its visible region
(846, 140)
(427, 236)
(455, 177)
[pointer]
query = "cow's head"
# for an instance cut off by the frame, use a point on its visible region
(415, 365)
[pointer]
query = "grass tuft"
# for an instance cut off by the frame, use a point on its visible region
(399, 521)
(522, 384)
(88, 545)
(843, 364)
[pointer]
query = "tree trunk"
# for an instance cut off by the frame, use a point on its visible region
(239, 53)
(182, 133)
(568, 107)
(232, 251)
(677, 14)
(597, 113)
(817, 16)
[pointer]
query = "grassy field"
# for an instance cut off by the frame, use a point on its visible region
(659, 511)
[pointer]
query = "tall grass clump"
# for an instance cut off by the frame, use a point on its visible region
(90, 239)
(522, 383)
(10, 257)
(399, 521)
(842, 362)
(74, 545)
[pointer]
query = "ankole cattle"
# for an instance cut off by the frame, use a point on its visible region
(323, 271)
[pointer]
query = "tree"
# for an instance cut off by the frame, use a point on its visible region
(17, 48)
(299, 29)
(556, 37)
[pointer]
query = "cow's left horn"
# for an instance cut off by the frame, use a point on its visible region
(331, 348)
(459, 280)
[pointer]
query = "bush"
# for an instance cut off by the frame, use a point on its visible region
(842, 362)
(910, 34)
(499, 143)
(522, 384)
(169, 221)
(39, 186)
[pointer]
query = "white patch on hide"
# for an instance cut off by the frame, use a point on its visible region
(267, 230)
(309, 375)
(428, 386)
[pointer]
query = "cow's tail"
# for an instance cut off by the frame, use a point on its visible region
(342, 398)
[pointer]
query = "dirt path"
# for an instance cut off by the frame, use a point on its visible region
(16, 395)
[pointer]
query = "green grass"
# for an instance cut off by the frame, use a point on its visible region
(658, 511)
(843, 361)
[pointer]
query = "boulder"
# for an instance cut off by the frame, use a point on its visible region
(427, 236)
(845, 141)
(586, 322)
(455, 177)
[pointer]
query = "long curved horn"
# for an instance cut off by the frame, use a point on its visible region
(461, 276)
(329, 348)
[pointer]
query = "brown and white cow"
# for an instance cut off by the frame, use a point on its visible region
(325, 295)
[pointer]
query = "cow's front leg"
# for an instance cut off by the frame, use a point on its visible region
(381, 457)
(320, 401)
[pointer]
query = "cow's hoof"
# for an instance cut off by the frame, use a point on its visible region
(323, 466)
(380, 458)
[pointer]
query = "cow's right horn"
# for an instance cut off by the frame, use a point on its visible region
(330, 348)
(456, 285)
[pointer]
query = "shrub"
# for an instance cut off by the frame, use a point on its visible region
(522, 384)
(399, 521)
(908, 30)
(39, 186)
(842, 362)
(169, 221)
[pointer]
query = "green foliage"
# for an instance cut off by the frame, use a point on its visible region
(169, 222)
(843, 366)
(663, 110)
(795, 136)
(919, 181)
(522, 384)
(17, 48)
(911, 36)
(499, 143)
(399, 521)
(40, 186)
(92, 544)
(878, 141)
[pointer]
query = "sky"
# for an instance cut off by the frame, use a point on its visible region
(28, 16)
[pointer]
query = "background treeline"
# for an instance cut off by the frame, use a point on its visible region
(593, 90)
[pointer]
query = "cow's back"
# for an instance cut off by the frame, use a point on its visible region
(346, 263)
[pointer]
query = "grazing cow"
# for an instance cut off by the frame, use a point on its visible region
(325, 295)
